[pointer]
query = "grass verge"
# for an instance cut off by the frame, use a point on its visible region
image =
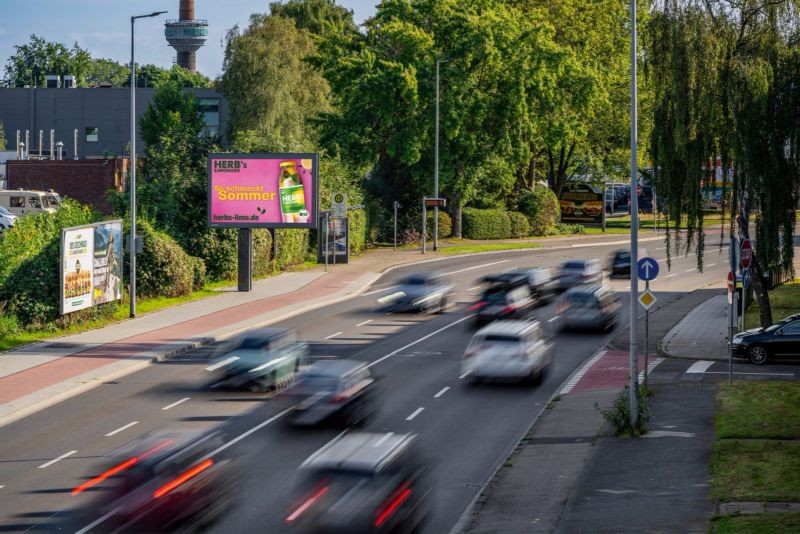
(784, 300)
(757, 523)
(763, 410)
(755, 470)
(467, 247)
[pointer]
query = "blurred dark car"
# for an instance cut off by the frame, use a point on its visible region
(166, 481)
(333, 390)
(573, 272)
(420, 292)
(759, 345)
(620, 264)
(588, 307)
(504, 301)
(540, 282)
(261, 359)
(362, 483)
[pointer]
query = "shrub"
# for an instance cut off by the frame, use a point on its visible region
(357, 229)
(485, 224)
(217, 247)
(198, 273)
(619, 415)
(445, 224)
(563, 228)
(262, 252)
(163, 269)
(520, 227)
(292, 247)
(541, 208)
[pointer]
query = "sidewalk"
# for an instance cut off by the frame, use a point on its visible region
(703, 333)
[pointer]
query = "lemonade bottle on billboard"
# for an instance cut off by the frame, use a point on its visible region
(292, 194)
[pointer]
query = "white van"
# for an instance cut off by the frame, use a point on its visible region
(22, 202)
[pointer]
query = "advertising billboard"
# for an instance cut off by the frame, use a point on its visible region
(91, 265)
(263, 190)
(581, 202)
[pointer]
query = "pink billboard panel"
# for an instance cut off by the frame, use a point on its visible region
(263, 190)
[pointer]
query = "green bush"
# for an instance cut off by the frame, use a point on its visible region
(198, 273)
(163, 269)
(568, 229)
(520, 227)
(445, 224)
(357, 229)
(292, 247)
(262, 252)
(541, 208)
(485, 224)
(217, 247)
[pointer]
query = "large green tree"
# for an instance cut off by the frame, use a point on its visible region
(32, 61)
(316, 16)
(103, 70)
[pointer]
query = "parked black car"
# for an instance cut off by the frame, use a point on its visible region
(759, 345)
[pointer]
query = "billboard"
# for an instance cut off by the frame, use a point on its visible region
(263, 190)
(91, 265)
(581, 202)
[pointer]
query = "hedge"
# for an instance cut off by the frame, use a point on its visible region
(520, 227)
(485, 224)
(445, 224)
(541, 208)
(262, 252)
(357, 229)
(163, 269)
(292, 247)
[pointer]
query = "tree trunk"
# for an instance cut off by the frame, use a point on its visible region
(757, 278)
(455, 207)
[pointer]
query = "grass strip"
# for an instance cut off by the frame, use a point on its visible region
(468, 248)
(764, 410)
(757, 523)
(755, 470)
(784, 301)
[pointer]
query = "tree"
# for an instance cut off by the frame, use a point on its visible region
(107, 71)
(2, 136)
(33, 61)
(316, 16)
(152, 75)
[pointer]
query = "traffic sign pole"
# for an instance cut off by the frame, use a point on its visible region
(646, 334)
(732, 300)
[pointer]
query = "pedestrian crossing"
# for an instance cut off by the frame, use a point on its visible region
(683, 369)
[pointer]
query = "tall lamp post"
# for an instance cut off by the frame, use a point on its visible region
(436, 163)
(634, 352)
(132, 241)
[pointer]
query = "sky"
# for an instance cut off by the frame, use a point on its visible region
(103, 26)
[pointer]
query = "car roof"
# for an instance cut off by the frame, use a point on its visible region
(360, 451)
(588, 288)
(333, 367)
(506, 328)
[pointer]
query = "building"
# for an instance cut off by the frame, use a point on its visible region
(88, 121)
(186, 35)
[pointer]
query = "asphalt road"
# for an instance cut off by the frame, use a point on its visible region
(465, 432)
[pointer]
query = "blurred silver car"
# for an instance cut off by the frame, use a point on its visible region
(574, 272)
(517, 350)
(420, 292)
(588, 306)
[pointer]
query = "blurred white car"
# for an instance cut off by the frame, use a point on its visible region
(508, 350)
(7, 219)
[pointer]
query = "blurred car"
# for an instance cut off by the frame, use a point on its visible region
(7, 219)
(573, 272)
(620, 264)
(361, 483)
(510, 300)
(517, 350)
(261, 359)
(588, 306)
(540, 281)
(165, 481)
(759, 345)
(342, 390)
(420, 292)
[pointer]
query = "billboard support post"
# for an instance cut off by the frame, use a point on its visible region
(424, 228)
(274, 236)
(245, 252)
(396, 205)
(327, 238)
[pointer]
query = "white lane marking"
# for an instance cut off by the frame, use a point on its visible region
(334, 335)
(652, 365)
(415, 413)
(420, 340)
(383, 439)
(462, 375)
(120, 429)
(389, 298)
(740, 373)
(711, 265)
(223, 363)
(441, 392)
(2, 486)
(659, 261)
(54, 460)
(475, 267)
(168, 406)
(569, 386)
(97, 521)
(667, 434)
(661, 248)
(243, 435)
(690, 270)
(671, 275)
(271, 362)
(378, 291)
(474, 288)
(552, 319)
(362, 323)
(700, 366)
(616, 492)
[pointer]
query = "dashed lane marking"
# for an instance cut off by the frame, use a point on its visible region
(671, 275)
(378, 291)
(441, 392)
(120, 429)
(362, 323)
(569, 386)
(334, 335)
(414, 413)
(168, 406)
(54, 460)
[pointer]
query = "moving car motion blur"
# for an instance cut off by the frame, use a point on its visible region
(165, 481)
(261, 359)
(333, 390)
(574, 272)
(420, 292)
(518, 350)
(620, 264)
(362, 482)
(588, 306)
(507, 297)
(780, 340)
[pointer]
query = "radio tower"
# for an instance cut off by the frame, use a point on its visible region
(186, 34)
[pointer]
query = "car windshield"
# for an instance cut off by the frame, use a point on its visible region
(495, 296)
(574, 265)
(254, 343)
(582, 299)
(500, 338)
(414, 281)
(55, 200)
(772, 328)
(318, 382)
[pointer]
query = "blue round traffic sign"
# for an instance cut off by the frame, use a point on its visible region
(647, 268)
(746, 279)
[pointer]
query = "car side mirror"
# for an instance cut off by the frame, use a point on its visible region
(779, 333)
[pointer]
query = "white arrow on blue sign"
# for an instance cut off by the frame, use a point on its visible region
(647, 268)
(746, 279)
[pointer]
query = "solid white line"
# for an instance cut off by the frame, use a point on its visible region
(690, 270)
(420, 340)
(711, 265)
(659, 261)
(378, 291)
(383, 439)
(475, 267)
(671, 275)
(700, 366)
(442, 392)
(168, 406)
(1, 486)
(739, 373)
(414, 414)
(550, 320)
(474, 288)
(568, 387)
(54, 460)
(96, 522)
(652, 365)
(223, 363)
(462, 375)
(120, 429)
(334, 335)
(364, 322)
(243, 435)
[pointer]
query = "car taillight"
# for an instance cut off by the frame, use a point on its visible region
(306, 504)
(183, 478)
(340, 397)
(103, 476)
(508, 309)
(477, 306)
(391, 505)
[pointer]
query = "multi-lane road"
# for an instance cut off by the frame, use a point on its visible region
(465, 432)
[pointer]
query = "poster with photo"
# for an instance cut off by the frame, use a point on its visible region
(107, 276)
(77, 265)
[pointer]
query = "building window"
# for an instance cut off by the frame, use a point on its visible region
(209, 107)
(92, 134)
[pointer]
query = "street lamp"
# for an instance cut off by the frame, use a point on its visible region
(634, 356)
(132, 243)
(436, 163)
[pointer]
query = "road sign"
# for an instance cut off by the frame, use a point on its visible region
(647, 299)
(339, 205)
(746, 279)
(746, 253)
(435, 202)
(647, 268)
